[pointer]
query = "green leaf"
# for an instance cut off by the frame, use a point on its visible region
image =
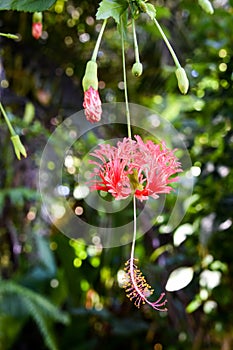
(111, 8)
(26, 5)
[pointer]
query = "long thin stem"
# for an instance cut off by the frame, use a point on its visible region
(172, 52)
(12, 131)
(134, 229)
(137, 59)
(98, 41)
(125, 83)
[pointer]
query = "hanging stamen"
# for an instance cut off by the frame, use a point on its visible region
(138, 289)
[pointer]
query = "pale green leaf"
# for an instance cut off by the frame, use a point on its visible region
(26, 5)
(111, 8)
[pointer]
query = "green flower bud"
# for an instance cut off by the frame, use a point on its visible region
(37, 17)
(90, 78)
(182, 79)
(206, 6)
(18, 147)
(137, 69)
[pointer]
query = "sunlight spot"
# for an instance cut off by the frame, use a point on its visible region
(121, 275)
(58, 211)
(222, 53)
(210, 279)
(223, 170)
(81, 191)
(210, 306)
(181, 233)
(77, 262)
(78, 210)
(63, 190)
(204, 294)
(195, 170)
(83, 38)
(222, 67)
(225, 225)
(53, 245)
(54, 283)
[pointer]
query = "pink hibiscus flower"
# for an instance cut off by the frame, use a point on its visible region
(134, 167)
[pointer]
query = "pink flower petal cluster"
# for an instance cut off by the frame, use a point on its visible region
(92, 105)
(134, 167)
(37, 30)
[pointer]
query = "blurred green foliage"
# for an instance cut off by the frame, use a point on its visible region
(48, 279)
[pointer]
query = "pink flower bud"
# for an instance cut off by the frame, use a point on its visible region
(92, 105)
(37, 30)
(37, 25)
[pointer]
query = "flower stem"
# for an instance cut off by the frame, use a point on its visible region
(125, 82)
(97, 45)
(12, 131)
(172, 52)
(134, 230)
(137, 59)
(10, 36)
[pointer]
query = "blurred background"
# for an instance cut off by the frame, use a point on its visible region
(58, 293)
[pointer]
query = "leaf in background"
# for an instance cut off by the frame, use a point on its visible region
(111, 8)
(25, 5)
(179, 278)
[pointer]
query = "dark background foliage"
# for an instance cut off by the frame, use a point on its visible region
(59, 294)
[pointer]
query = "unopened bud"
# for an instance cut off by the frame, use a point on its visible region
(90, 77)
(18, 147)
(182, 79)
(206, 6)
(137, 69)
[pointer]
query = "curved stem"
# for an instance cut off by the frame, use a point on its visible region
(125, 83)
(12, 131)
(98, 41)
(172, 52)
(137, 59)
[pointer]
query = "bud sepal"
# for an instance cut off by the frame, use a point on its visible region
(90, 77)
(183, 82)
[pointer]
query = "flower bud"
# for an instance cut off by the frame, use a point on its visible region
(182, 79)
(206, 6)
(37, 25)
(90, 78)
(18, 147)
(137, 69)
(92, 105)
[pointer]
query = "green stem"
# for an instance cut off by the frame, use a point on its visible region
(12, 131)
(137, 59)
(172, 52)
(9, 36)
(125, 83)
(97, 45)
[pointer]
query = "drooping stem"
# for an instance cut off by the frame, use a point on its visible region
(172, 52)
(12, 131)
(98, 41)
(125, 82)
(136, 52)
